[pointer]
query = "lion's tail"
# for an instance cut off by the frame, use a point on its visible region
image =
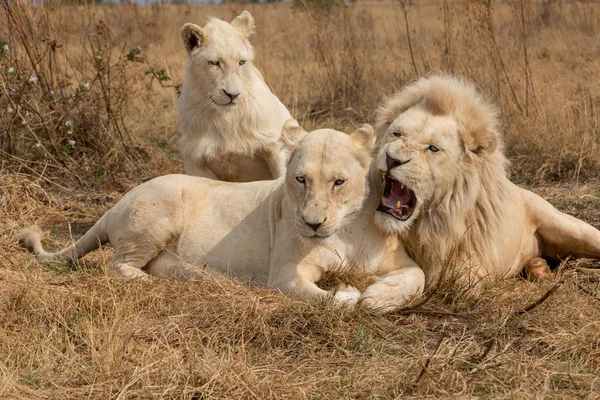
(31, 238)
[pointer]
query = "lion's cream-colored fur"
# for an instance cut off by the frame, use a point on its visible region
(230, 120)
(360, 240)
(469, 216)
(284, 232)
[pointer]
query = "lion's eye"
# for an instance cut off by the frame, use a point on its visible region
(433, 148)
(300, 179)
(215, 63)
(339, 182)
(242, 62)
(396, 133)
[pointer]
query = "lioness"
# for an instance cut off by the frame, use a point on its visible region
(359, 240)
(290, 228)
(230, 120)
(446, 192)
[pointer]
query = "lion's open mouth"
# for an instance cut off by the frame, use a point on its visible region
(397, 200)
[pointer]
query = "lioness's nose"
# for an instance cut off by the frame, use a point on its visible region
(393, 162)
(231, 95)
(314, 225)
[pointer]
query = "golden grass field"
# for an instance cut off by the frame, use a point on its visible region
(100, 117)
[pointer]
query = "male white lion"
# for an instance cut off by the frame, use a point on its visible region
(230, 120)
(289, 230)
(446, 191)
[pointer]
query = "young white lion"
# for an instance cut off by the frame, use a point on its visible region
(288, 230)
(446, 192)
(230, 120)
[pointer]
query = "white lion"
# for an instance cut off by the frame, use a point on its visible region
(230, 120)
(359, 240)
(446, 192)
(286, 231)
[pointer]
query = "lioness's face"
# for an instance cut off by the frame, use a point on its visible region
(220, 59)
(326, 180)
(417, 157)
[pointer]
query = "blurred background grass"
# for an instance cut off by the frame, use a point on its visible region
(89, 92)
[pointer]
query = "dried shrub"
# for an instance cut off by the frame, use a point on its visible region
(65, 100)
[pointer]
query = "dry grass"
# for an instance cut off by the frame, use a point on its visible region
(76, 331)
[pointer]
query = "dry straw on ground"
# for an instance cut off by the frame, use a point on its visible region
(75, 331)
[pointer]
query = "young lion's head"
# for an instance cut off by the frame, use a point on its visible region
(220, 59)
(438, 143)
(326, 180)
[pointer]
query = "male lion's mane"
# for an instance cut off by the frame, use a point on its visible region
(458, 228)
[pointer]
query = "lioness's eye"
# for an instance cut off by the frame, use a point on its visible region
(396, 133)
(300, 179)
(339, 182)
(433, 148)
(215, 63)
(242, 62)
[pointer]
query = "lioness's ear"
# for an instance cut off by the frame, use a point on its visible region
(364, 137)
(192, 36)
(244, 22)
(484, 143)
(292, 133)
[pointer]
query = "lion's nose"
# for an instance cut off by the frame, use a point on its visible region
(393, 162)
(231, 95)
(314, 225)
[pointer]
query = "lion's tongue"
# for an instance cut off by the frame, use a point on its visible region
(397, 197)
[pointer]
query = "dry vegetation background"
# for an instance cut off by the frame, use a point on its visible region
(85, 115)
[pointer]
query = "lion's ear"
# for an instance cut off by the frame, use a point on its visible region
(245, 23)
(192, 36)
(292, 133)
(364, 137)
(484, 143)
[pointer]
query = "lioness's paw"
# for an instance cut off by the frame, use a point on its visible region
(347, 295)
(382, 298)
(394, 291)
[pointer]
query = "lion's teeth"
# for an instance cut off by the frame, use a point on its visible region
(398, 205)
(382, 200)
(401, 186)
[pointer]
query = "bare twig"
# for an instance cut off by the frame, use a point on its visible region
(587, 271)
(588, 291)
(406, 5)
(540, 300)
(490, 28)
(438, 313)
(428, 361)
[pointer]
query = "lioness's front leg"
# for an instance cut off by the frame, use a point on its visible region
(402, 280)
(300, 281)
(394, 290)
